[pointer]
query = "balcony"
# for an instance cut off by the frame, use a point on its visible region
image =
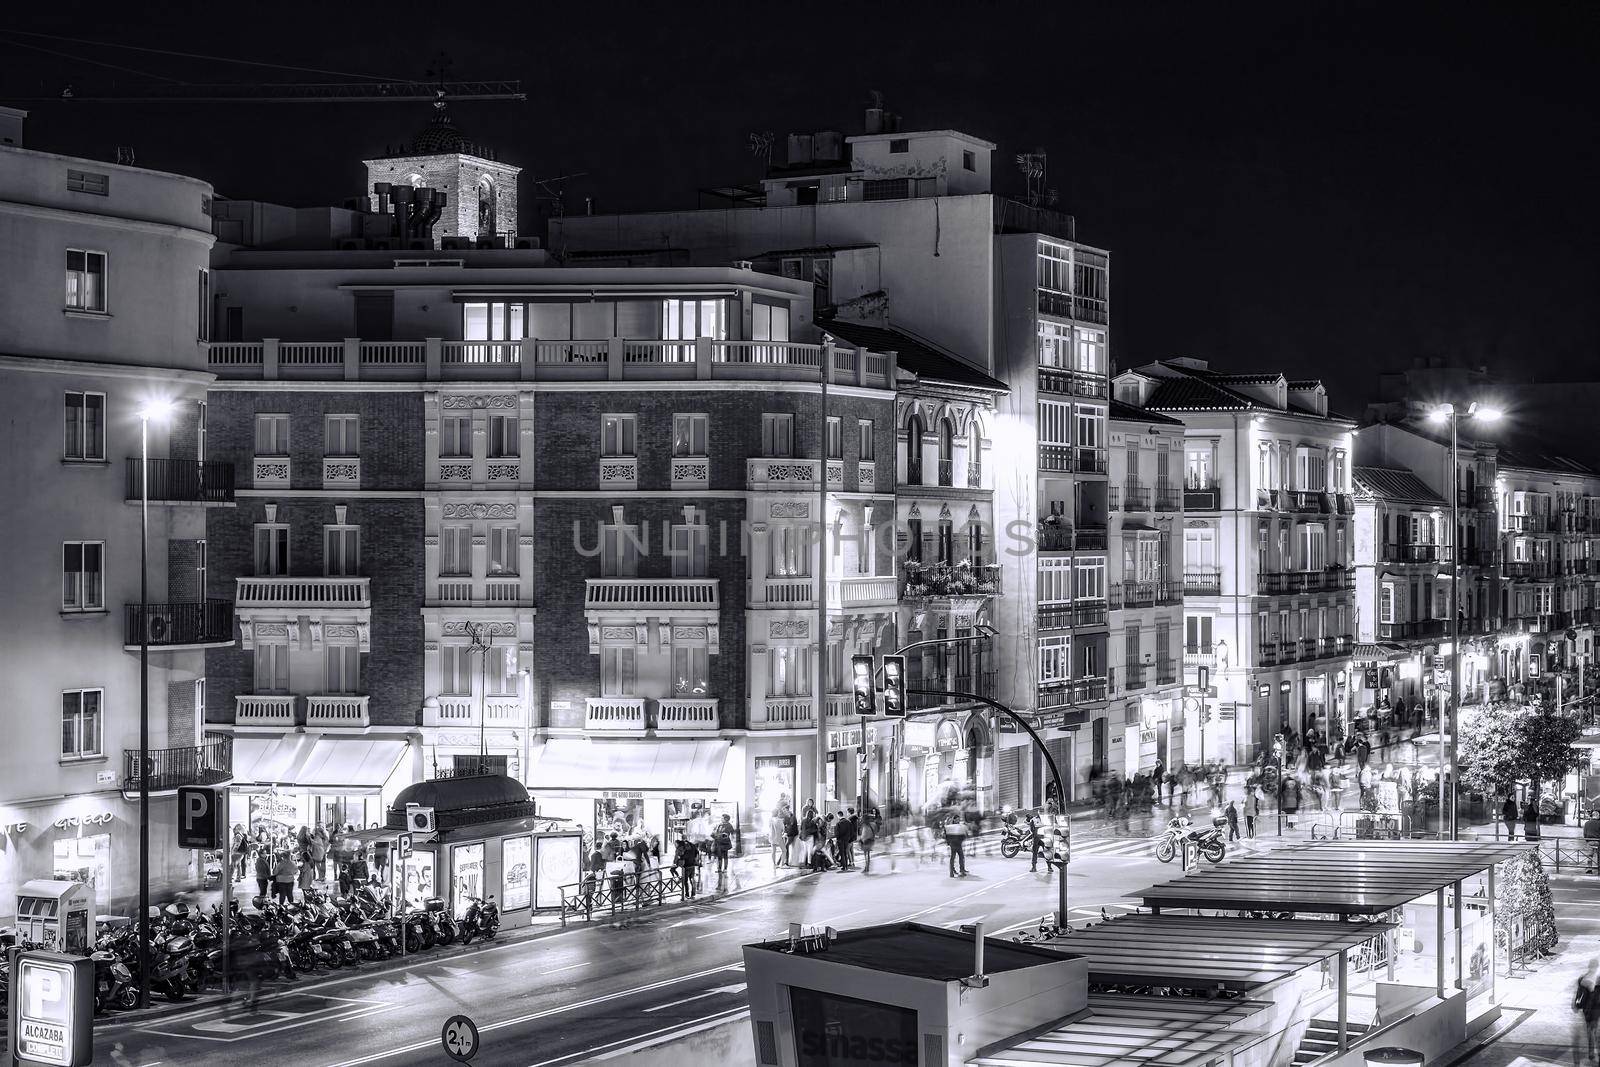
(497, 712)
(1396, 631)
(182, 480)
(861, 591)
(270, 472)
(455, 469)
(783, 713)
(943, 580)
(784, 475)
(278, 592)
(686, 715)
(618, 472)
(1202, 496)
(1166, 671)
(254, 710)
(1306, 501)
(1199, 657)
(342, 712)
(341, 472)
(1168, 498)
(1202, 583)
(1135, 497)
(614, 715)
(1273, 583)
(1072, 383)
(1415, 553)
(1525, 569)
(1065, 694)
(1133, 676)
(1067, 616)
(455, 589)
(169, 768)
(1267, 653)
(866, 476)
(1131, 595)
(1344, 504)
(937, 689)
(1056, 457)
(1308, 648)
(640, 594)
(835, 473)
(1060, 537)
(192, 625)
(784, 592)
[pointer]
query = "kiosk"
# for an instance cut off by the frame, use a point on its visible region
(56, 913)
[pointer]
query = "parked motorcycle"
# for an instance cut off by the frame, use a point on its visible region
(1179, 829)
(482, 920)
(444, 926)
(1017, 835)
(114, 986)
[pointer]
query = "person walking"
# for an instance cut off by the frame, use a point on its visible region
(776, 836)
(263, 869)
(722, 843)
(319, 854)
(1508, 815)
(1036, 844)
(1291, 799)
(360, 875)
(1586, 1002)
(283, 875)
(1591, 840)
(1232, 814)
(1252, 809)
(791, 834)
(307, 874)
(847, 840)
(955, 835)
(1530, 818)
(686, 865)
(866, 835)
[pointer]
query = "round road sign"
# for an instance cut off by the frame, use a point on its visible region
(459, 1038)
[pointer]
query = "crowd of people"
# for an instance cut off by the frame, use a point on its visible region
(283, 862)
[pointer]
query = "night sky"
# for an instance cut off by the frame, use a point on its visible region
(1330, 189)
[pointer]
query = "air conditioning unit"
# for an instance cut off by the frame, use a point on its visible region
(420, 244)
(419, 819)
(382, 244)
(488, 240)
(456, 244)
(352, 244)
(158, 627)
(527, 242)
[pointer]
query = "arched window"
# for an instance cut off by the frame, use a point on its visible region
(914, 450)
(974, 457)
(486, 207)
(947, 447)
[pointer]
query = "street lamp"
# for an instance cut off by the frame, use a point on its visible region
(1447, 751)
(480, 647)
(158, 410)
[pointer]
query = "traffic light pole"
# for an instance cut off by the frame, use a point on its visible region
(1050, 761)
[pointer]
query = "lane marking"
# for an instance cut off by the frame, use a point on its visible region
(630, 1045)
(558, 970)
(717, 933)
(721, 989)
(542, 1014)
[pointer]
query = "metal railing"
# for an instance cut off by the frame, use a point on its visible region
(1168, 499)
(182, 479)
(1413, 553)
(1067, 693)
(1200, 496)
(946, 472)
(207, 622)
(1063, 616)
(1202, 583)
(168, 768)
(1303, 581)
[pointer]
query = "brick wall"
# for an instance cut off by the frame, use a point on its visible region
(180, 714)
(183, 571)
(183, 434)
(391, 434)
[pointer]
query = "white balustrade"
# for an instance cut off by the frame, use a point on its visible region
(276, 592)
(619, 472)
(337, 711)
(783, 713)
(634, 593)
(249, 710)
(614, 714)
(503, 590)
(691, 472)
(686, 714)
(455, 590)
(860, 591)
(270, 472)
(790, 591)
(782, 475)
(341, 472)
(866, 476)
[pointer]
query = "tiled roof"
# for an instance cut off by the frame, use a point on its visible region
(1395, 483)
(1197, 394)
(1129, 413)
(812, 250)
(915, 356)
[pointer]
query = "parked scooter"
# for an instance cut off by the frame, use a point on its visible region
(482, 920)
(444, 926)
(1209, 840)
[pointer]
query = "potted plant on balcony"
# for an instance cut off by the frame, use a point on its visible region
(916, 576)
(963, 579)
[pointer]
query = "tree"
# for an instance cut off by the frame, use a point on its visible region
(1502, 744)
(1525, 912)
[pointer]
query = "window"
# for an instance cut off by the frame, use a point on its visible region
(492, 321)
(899, 145)
(969, 160)
(1053, 265)
(684, 320)
(503, 550)
(85, 426)
(344, 669)
(80, 723)
(342, 435)
(865, 435)
(791, 671)
(947, 451)
(455, 670)
(1055, 659)
(690, 671)
(1089, 579)
(83, 580)
(914, 539)
(341, 551)
(1054, 425)
(791, 555)
(617, 435)
(618, 676)
(835, 437)
(272, 668)
(202, 317)
(1091, 424)
(455, 436)
(1264, 468)
(1197, 633)
(455, 550)
(86, 280)
(777, 435)
(1090, 351)
(688, 547)
(974, 456)
(689, 435)
(770, 322)
(1055, 580)
(272, 549)
(619, 551)
(1310, 469)
(1199, 549)
(886, 189)
(499, 677)
(1313, 546)
(914, 450)
(1197, 472)
(946, 542)
(1055, 344)
(1141, 560)
(87, 181)
(272, 435)
(504, 437)
(1337, 469)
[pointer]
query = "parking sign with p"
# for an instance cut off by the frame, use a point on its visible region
(52, 1008)
(200, 817)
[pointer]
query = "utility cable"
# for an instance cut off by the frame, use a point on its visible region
(212, 58)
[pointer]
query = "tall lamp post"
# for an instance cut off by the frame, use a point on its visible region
(482, 636)
(1447, 721)
(155, 409)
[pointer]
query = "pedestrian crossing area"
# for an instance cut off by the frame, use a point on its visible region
(1140, 847)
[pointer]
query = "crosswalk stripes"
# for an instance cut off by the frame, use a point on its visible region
(1146, 846)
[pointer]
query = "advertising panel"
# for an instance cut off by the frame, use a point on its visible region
(516, 865)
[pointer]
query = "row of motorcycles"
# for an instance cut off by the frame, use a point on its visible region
(276, 940)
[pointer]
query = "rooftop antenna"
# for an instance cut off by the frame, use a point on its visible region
(761, 147)
(439, 71)
(1032, 165)
(554, 190)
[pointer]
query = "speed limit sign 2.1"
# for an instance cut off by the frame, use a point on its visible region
(459, 1038)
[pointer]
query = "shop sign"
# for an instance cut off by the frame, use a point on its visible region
(917, 733)
(849, 737)
(947, 736)
(99, 818)
(621, 794)
(1285, 686)
(52, 1009)
(13, 828)
(1264, 690)
(1147, 737)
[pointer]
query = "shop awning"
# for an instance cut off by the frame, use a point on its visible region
(330, 764)
(576, 767)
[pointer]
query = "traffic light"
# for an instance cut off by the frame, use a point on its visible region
(1203, 677)
(894, 685)
(861, 673)
(1205, 714)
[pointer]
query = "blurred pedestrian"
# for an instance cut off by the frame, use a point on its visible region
(263, 866)
(955, 835)
(1508, 815)
(866, 835)
(1530, 818)
(1586, 1002)
(722, 842)
(1591, 840)
(1232, 812)
(283, 875)
(1252, 808)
